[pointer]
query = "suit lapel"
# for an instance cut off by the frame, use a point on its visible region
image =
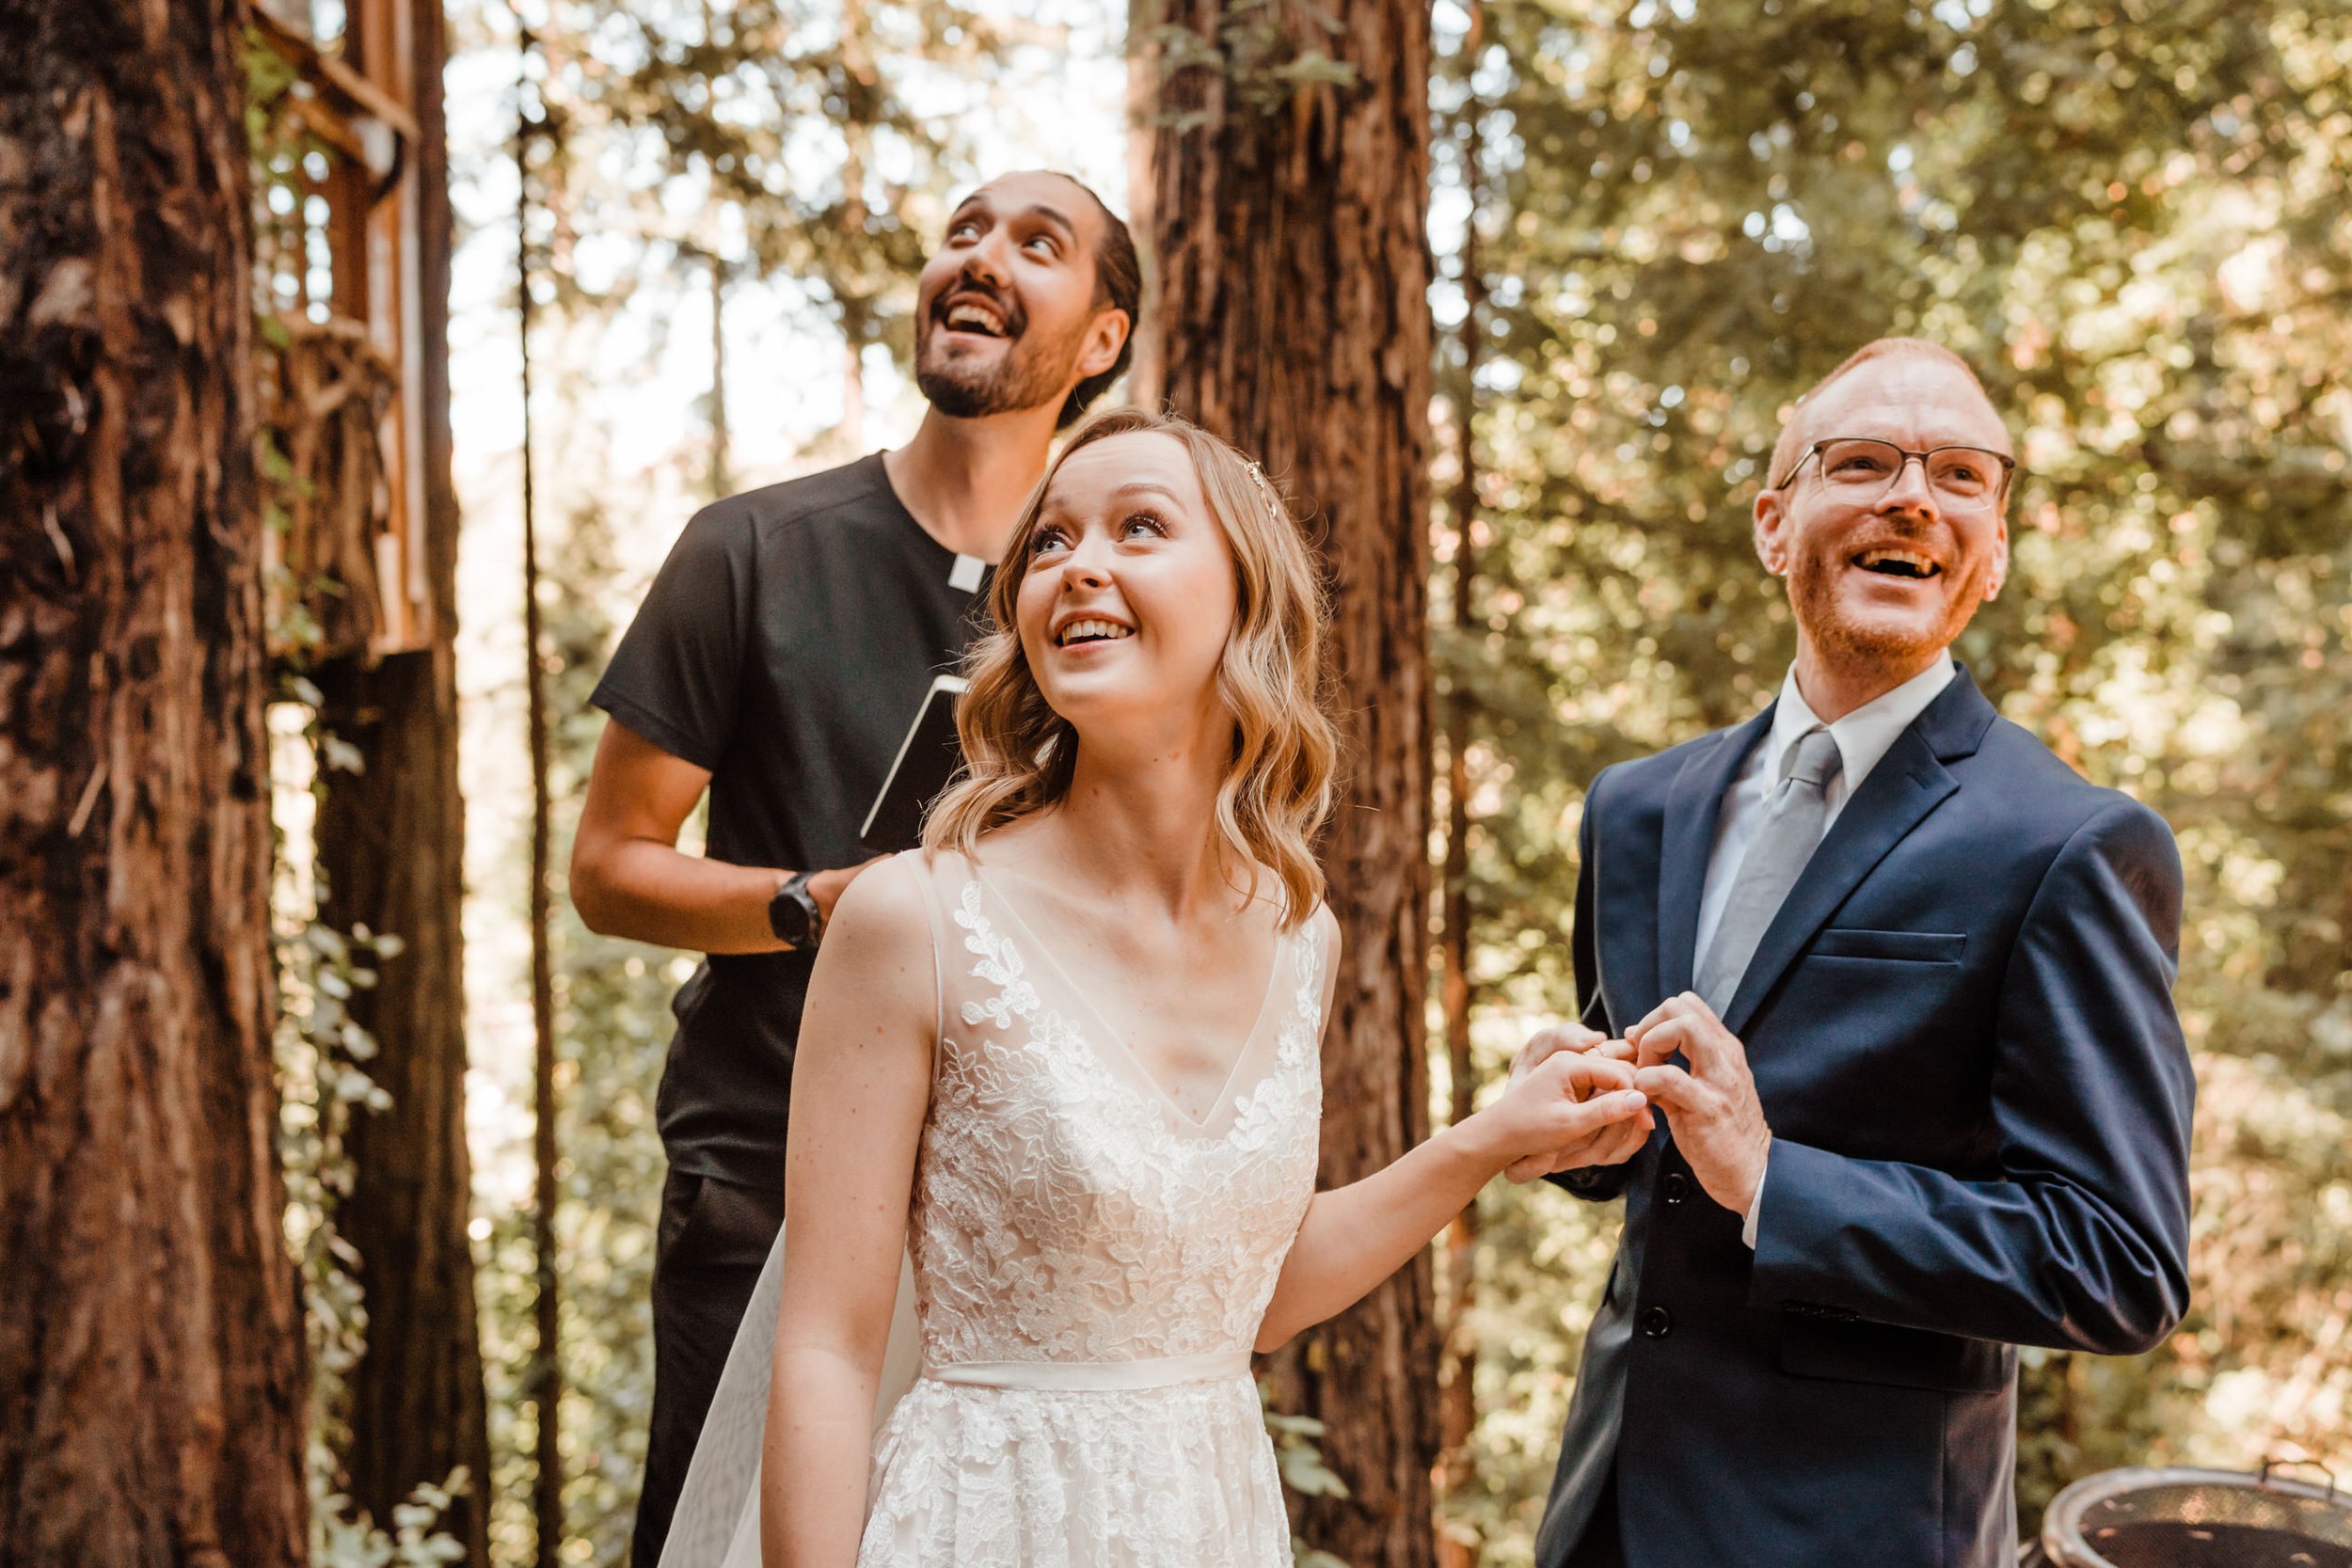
(1693, 807)
(1909, 781)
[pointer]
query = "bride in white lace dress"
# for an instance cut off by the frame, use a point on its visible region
(1066, 1058)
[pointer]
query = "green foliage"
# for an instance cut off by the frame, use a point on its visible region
(321, 1055)
(288, 161)
(1294, 1438)
(612, 1027)
(278, 147)
(2128, 216)
(1303, 1469)
(504, 1275)
(614, 1016)
(339, 1539)
(772, 139)
(323, 1078)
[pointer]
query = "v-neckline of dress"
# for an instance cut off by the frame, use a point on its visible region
(1226, 1090)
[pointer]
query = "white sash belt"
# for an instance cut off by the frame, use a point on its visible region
(1165, 1371)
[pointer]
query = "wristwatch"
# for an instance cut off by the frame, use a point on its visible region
(793, 914)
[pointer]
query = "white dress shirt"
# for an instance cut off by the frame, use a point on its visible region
(1862, 736)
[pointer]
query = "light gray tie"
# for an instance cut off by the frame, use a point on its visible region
(1783, 840)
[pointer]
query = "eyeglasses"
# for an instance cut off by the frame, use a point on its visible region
(1862, 470)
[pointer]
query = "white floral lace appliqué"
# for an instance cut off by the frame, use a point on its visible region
(999, 965)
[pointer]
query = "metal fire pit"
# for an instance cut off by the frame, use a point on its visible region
(2185, 1519)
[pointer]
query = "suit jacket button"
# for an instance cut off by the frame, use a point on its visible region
(1675, 1188)
(1657, 1322)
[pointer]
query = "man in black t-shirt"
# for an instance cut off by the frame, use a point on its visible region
(777, 661)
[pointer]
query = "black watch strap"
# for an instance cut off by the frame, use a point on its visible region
(793, 915)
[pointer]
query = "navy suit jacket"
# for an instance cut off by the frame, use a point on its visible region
(1962, 1030)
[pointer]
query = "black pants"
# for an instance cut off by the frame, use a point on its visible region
(1603, 1544)
(713, 1239)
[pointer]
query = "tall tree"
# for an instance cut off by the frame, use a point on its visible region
(546, 1380)
(391, 843)
(151, 1344)
(1290, 172)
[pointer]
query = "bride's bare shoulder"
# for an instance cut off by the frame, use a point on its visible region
(882, 912)
(1323, 930)
(1325, 926)
(875, 965)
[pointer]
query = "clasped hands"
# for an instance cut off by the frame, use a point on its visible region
(1718, 1121)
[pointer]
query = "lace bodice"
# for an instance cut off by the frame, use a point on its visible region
(1065, 1208)
(1091, 1267)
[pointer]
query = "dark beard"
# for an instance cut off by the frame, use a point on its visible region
(1031, 376)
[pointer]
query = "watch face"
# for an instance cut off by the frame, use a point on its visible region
(792, 914)
(788, 912)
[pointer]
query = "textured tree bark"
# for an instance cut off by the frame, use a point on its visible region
(1145, 377)
(151, 1340)
(392, 846)
(1293, 278)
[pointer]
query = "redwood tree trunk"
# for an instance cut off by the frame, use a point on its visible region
(1294, 277)
(391, 847)
(390, 839)
(150, 1341)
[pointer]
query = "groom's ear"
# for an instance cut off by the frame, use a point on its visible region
(1772, 531)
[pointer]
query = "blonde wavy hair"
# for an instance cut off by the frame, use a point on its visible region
(1020, 754)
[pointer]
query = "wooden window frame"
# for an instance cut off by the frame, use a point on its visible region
(361, 107)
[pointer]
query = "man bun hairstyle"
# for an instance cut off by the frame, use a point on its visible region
(1117, 284)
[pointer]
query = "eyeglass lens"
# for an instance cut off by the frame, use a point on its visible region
(1865, 466)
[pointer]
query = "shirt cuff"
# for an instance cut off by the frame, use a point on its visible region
(1756, 1205)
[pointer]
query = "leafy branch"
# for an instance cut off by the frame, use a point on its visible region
(1303, 1469)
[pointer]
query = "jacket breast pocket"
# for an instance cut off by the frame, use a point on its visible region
(1940, 947)
(1856, 1351)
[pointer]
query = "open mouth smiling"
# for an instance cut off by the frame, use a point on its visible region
(1092, 629)
(1896, 562)
(973, 314)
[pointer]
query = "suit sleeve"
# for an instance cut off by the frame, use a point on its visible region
(2081, 1240)
(1599, 1183)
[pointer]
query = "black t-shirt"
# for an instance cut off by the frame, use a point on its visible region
(786, 648)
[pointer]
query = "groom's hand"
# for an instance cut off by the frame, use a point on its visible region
(1717, 1121)
(1610, 1144)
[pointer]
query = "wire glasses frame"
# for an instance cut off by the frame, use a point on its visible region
(1892, 459)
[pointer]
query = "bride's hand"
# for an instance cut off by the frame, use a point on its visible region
(1570, 1107)
(1568, 1037)
(1616, 1142)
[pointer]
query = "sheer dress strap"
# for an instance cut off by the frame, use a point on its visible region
(928, 866)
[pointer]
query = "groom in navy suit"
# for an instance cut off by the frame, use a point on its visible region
(1899, 983)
